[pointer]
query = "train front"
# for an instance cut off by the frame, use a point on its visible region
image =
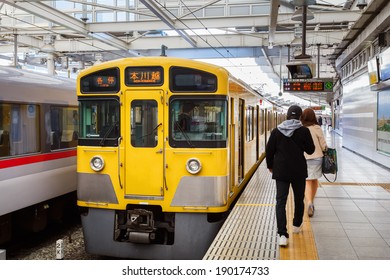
(152, 164)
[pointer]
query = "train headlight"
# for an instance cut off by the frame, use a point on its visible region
(193, 166)
(97, 163)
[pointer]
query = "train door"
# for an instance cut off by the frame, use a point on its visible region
(232, 145)
(266, 126)
(144, 143)
(262, 127)
(256, 133)
(241, 139)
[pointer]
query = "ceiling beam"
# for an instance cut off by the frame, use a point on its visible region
(176, 42)
(53, 15)
(23, 41)
(199, 8)
(273, 19)
(167, 20)
(334, 18)
(374, 19)
(50, 14)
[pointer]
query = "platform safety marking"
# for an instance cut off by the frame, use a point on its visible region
(252, 204)
(249, 232)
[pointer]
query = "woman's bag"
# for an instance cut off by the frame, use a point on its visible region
(329, 163)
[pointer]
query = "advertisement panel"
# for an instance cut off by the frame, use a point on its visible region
(383, 126)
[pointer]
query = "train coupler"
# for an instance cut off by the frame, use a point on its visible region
(140, 226)
(141, 237)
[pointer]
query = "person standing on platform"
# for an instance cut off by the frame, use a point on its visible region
(286, 161)
(314, 161)
(320, 121)
(329, 123)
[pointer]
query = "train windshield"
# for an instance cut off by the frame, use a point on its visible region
(198, 122)
(99, 122)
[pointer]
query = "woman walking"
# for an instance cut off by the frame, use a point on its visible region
(314, 161)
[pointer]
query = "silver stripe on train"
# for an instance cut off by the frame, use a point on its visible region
(201, 191)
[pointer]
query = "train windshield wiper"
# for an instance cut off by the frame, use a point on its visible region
(150, 133)
(184, 134)
(109, 130)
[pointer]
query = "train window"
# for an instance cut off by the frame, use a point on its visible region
(191, 80)
(143, 76)
(144, 123)
(104, 81)
(262, 122)
(19, 129)
(63, 127)
(249, 123)
(99, 122)
(198, 122)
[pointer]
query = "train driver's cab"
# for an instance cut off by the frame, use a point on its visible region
(198, 122)
(99, 122)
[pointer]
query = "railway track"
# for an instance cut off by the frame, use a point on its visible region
(42, 245)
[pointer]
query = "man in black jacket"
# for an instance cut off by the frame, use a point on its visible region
(286, 161)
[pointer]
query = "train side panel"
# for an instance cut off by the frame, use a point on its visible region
(38, 136)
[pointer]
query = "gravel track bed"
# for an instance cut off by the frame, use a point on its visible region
(42, 246)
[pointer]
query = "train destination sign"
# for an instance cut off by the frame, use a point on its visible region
(315, 85)
(144, 76)
(104, 81)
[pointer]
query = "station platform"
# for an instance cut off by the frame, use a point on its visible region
(351, 219)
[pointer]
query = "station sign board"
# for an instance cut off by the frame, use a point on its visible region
(308, 85)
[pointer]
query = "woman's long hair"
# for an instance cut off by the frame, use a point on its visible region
(308, 117)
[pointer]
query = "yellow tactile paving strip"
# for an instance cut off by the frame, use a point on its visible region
(301, 246)
(386, 186)
(249, 232)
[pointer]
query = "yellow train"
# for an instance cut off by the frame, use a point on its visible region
(165, 147)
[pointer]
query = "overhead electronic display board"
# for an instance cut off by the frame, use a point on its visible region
(314, 85)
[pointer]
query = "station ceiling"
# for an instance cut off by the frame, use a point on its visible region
(249, 37)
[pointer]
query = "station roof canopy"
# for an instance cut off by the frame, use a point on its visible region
(254, 39)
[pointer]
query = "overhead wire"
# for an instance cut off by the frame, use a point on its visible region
(189, 28)
(201, 38)
(206, 28)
